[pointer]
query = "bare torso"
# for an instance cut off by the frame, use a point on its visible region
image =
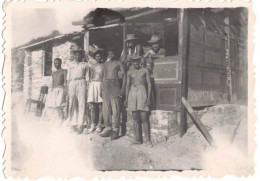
(111, 69)
(138, 77)
(59, 78)
(97, 72)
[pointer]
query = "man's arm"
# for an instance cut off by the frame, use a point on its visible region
(123, 77)
(149, 85)
(127, 87)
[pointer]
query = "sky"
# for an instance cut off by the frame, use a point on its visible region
(28, 24)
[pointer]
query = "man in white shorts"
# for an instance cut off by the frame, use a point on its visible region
(94, 92)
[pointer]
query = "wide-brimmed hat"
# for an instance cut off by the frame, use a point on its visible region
(97, 50)
(130, 37)
(154, 39)
(135, 57)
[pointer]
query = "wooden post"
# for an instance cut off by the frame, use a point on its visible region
(227, 63)
(183, 37)
(124, 43)
(197, 121)
(86, 41)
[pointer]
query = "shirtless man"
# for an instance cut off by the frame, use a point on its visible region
(56, 97)
(94, 92)
(111, 94)
(138, 99)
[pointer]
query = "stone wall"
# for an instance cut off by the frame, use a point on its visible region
(34, 69)
(162, 125)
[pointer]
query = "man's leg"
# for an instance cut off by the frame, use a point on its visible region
(115, 104)
(100, 118)
(137, 127)
(93, 111)
(124, 118)
(81, 96)
(146, 127)
(107, 116)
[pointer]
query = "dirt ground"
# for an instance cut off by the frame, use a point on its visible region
(44, 148)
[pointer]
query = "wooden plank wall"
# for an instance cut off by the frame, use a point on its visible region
(206, 72)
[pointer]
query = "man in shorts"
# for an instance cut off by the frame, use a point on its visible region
(138, 99)
(94, 91)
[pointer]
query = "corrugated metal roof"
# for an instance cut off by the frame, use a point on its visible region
(60, 37)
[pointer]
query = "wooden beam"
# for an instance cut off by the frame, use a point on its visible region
(86, 41)
(183, 38)
(228, 63)
(146, 13)
(198, 123)
(124, 43)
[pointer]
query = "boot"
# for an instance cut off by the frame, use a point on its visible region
(115, 134)
(99, 129)
(80, 129)
(73, 128)
(106, 132)
(91, 129)
(135, 142)
(149, 144)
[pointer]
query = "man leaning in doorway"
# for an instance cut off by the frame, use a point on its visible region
(133, 47)
(77, 77)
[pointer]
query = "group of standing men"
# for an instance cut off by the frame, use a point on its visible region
(113, 86)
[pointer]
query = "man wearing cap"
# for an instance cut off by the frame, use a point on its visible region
(138, 99)
(94, 91)
(112, 94)
(77, 77)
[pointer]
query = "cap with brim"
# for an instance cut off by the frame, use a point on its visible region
(131, 37)
(154, 39)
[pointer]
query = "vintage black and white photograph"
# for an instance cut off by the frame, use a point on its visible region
(128, 89)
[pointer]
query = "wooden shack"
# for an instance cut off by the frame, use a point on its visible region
(205, 62)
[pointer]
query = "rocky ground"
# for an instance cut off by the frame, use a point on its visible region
(44, 148)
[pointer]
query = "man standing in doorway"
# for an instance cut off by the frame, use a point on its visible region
(138, 99)
(78, 75)
(112, 94)
(94, 91)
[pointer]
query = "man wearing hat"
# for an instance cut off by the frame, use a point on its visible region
(77, 77)
(94, 91)
(133, 48)
(138, 99)
(156, 51)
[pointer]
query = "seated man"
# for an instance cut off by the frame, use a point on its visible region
(138, 99)
(94, 91)
(56, 97)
